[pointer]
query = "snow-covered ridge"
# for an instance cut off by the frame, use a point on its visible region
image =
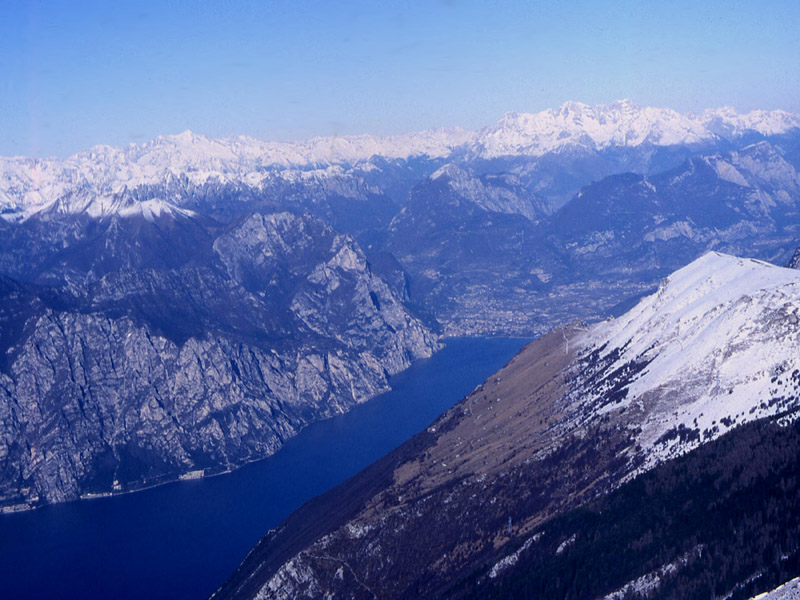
(621, 123)
(788, 591)
(28, 185)
(715, 347)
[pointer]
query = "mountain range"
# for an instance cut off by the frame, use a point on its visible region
(184, 306)
(483, 222)
(161, 347)
(29, 185)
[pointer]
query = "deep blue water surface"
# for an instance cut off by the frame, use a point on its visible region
(183, 539)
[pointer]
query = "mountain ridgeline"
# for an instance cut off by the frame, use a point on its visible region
(536, 220)
(650, 456)
(184, 306)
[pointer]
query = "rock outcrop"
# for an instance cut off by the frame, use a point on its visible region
(146, 375)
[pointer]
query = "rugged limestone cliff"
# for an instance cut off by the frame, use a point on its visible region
(142, 376)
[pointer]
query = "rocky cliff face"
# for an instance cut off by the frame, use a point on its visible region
(794, 263)
(145, 375)
(574, 415)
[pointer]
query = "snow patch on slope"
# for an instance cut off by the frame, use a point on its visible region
(719, 341)
(150, 210)
(650, 582)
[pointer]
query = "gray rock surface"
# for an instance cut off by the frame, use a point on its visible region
(794, 263)
(105, 390)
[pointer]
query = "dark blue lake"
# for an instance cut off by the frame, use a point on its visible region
(183, 539)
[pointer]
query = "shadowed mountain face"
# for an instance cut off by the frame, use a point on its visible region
(149, 364)
(486, 264)
(794, 263)
(632, 225)
(719, 522)
(575, 415)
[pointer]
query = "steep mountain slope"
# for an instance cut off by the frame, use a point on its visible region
(634, 226)
(720, 522)
(143, 370)
(575, 414)
(81, 250)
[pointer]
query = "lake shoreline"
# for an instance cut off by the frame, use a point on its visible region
(210, 471)
(184, 540)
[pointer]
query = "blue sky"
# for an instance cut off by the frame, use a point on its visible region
(75, 74)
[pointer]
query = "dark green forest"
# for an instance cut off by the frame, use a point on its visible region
(726, 515)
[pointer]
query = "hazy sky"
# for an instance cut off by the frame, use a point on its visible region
(75, 74)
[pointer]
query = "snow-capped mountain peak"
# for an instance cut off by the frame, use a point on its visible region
(621, 123)
(186, 137)
(29, 185)
(714, 347)
(726, 122)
